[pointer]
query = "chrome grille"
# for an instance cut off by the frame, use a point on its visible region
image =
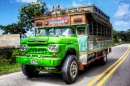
(37, 51)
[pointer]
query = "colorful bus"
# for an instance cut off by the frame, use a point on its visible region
(65, 41)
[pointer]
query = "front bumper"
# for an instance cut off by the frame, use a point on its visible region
(46, 61)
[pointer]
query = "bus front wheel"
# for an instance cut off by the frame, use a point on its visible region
(70, 69)
(29, 71)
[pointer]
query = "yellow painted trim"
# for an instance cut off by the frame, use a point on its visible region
(82, 52)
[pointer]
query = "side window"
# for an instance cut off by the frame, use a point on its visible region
(80, 30)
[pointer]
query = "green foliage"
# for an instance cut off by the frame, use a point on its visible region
(15, 53)
(3, 60)
(115, 38)
(116, 44)
(123, 35)
(6, 53)
(8, 68)
(28, 12)
(9, 55)
(14, 28)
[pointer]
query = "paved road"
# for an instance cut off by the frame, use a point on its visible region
(120, 77)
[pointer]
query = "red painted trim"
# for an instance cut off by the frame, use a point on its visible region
(92, 60)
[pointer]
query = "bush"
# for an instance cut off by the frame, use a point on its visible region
(9, 54)
(15, 53)
(2, 60)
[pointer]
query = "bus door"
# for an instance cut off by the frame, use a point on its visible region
(82, 34)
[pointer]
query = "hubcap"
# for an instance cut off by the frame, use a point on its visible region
(73, 69)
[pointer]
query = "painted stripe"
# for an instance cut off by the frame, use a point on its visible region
(104, 72)
(82, 52)
(112, 71)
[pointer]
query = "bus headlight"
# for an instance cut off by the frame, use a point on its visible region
(53, 48)
(23, 47)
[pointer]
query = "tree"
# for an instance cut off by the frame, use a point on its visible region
(28, 12)
(125, 35)
(115, 37)
(2, 27)
(26, 15)
(14, 28)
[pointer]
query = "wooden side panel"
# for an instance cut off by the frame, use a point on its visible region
(78, 19)
(38, 23)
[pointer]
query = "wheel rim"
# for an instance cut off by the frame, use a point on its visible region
(73, 69)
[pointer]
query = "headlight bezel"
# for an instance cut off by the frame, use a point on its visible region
(53, 48)
(23, 47)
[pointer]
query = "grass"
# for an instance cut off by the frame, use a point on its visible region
(9, 68)
(116, 44)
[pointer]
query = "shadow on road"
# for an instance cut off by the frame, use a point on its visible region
(56, 79)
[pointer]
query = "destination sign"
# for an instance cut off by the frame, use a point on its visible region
(59, 21)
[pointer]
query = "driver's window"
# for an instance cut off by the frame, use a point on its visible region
(42, 32)
(51, 31)
(80, 30)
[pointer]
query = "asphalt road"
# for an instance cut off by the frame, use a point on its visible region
(119, 77)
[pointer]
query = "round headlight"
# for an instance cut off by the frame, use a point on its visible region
(23, 47)
(53, 48)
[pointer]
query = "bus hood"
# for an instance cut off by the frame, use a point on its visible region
(35, 40)
(49, 40)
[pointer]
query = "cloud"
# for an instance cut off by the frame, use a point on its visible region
(122, 23)
(121, 1)
(26, 1)
(123, 11)
(49, 6)
(75, 4)
(122, 15)
(117, 1)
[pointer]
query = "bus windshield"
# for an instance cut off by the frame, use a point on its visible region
(55, 32)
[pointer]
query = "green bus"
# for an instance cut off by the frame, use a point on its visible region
(65, 41)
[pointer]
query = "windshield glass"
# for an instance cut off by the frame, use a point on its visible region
(55, 32)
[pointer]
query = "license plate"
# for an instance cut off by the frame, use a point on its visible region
(33, 62)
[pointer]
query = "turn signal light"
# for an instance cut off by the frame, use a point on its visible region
(53, 54)
(23, 52)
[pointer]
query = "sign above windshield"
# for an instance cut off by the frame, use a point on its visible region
(50, 22)
(59, 21)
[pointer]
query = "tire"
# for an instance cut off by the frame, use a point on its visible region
(70, 69)
(29, 71)
(104, 59)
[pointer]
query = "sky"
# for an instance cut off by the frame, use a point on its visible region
(118, 10)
